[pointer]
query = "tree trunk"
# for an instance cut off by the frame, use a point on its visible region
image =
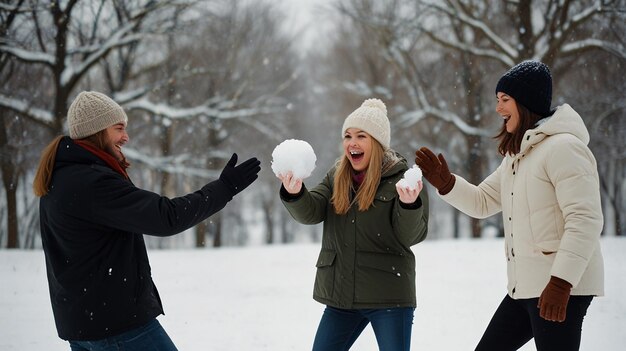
(475, 177)
(217, 229)
(267, 205)
(167, 179)
(12, 238)
(456, 227)
(618, 202)
(201, 229)
(9, 180)
(214, 140)
(474, 160)
(284, 228)
(618, 224)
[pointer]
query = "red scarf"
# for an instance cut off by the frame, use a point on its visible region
(358, 178)
(107, 158)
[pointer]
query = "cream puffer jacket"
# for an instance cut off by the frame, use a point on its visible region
(549, 195)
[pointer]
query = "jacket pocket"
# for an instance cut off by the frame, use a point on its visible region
(548, 247)
(385, 195)
(325, 276)
(384, 278)
(546, 224)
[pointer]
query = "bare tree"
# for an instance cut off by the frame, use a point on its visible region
(237, 84)
(253, 67)
(444, 52)
(605, 113)
(61, 43)
(193, 74)
(9, 148)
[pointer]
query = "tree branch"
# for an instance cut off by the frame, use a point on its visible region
(39, 116)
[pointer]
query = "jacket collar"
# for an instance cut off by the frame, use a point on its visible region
(564, 121)
(69, 152)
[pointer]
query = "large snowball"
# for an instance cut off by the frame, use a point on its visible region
(411, 177)
(294, 155)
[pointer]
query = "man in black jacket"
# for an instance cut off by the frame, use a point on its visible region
(92, 223)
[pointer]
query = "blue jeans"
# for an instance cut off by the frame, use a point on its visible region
(151, 337)
(340, 328)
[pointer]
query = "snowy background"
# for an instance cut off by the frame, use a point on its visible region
(259, 298)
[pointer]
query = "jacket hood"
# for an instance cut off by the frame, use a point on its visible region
(393, 163)
(564, 121)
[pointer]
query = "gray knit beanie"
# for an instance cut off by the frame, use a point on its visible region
(91, 112)
(371, 117)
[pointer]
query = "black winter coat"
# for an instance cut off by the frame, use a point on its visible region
(92, 222)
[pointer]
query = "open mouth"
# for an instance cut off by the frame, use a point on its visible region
(356, 155)
(506, 118)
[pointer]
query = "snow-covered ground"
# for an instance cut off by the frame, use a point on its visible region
(259, 298)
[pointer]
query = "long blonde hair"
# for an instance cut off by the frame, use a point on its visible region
(343, 185)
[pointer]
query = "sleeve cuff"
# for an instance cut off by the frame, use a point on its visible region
(286, 196)
(414, 206)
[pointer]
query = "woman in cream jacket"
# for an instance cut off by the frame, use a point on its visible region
(547, 189)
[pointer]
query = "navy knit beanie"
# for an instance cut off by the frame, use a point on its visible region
(530, 84)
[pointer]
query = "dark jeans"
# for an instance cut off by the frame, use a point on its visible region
(151, 337)
(517, 321)
(340, 328)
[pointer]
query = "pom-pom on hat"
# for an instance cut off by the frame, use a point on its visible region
(530, 84)
(371, 117)
(91, 112)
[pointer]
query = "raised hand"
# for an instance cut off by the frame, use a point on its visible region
(435, 170)
(240, 177)
(407, 195)
(291, 184)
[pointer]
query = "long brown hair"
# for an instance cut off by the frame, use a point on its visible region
(43, 176)
(343, 185)
(99, 140)
(510, 143)
(41, 183)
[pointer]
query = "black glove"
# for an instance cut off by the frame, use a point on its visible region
(239, 177)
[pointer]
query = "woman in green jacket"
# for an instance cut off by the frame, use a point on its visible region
(365, 269)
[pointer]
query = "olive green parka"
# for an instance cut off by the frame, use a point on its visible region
(366, 259)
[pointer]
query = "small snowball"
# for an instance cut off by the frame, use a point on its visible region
(411, 177)
(293, 155)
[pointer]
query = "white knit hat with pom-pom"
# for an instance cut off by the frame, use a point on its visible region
(371, 117)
